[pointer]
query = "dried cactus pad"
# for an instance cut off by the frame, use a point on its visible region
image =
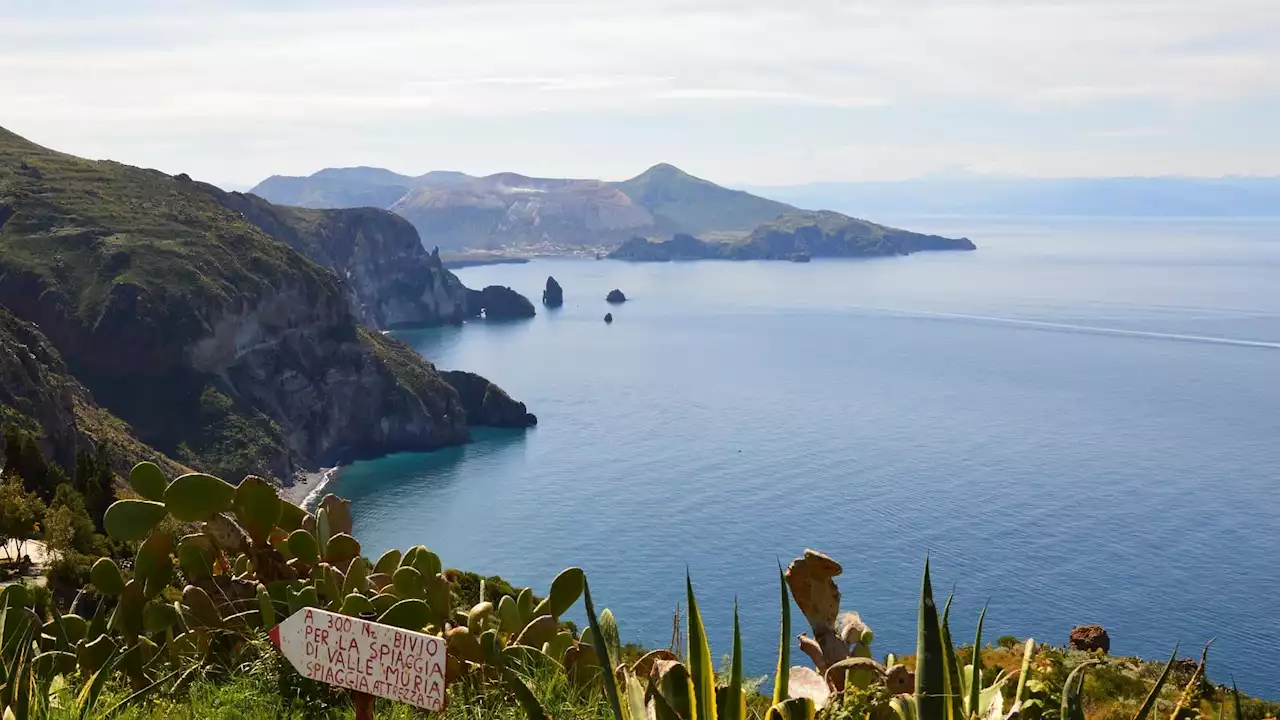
(852, 630)
(810, 579)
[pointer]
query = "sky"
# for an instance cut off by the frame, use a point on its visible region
(739, 91)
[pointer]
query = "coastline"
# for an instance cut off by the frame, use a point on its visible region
(308, 487)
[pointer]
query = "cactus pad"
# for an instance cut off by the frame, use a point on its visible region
(304, 547)
(195, 497)
(148, 480)
(105, 575)
(257, 507)
(341, 548)
(388, 563)
(409, 614)
(129, 520)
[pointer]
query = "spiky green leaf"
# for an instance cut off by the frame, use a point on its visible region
(782, 672)
(1150, 702)
(735, 706)
(701, 669)
(602, 653)
(975, 676)
(931, 670)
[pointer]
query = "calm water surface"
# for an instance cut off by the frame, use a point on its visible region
(1079, 422)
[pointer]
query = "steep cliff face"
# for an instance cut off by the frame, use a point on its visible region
(219, 345)
(39, 396)
(390, 279)
(488, 404)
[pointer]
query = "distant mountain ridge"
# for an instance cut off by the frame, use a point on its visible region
(454, 210)
(971, 194)
(796, 235)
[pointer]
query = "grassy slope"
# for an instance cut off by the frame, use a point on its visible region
(268, 690)
(123, 268)
(130, 264)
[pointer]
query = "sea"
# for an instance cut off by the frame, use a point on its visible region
(1078, 423)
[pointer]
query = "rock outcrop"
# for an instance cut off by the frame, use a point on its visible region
(499, 303)
(1090, 638)
(795, 236)
(553, 295)
(39, 395)
(615, 297)
(487, 404)
(219, 345)
(390, 279)
(608, 318)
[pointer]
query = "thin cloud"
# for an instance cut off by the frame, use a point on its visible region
(147, 72)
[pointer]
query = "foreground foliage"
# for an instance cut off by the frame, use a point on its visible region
(180, 631)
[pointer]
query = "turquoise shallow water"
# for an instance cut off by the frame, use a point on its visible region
(1079, 422)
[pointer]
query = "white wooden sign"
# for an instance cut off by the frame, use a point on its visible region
(365, 656)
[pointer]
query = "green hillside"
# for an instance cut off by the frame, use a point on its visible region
(695, 205)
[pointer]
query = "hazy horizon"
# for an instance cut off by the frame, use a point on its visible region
(742, 93)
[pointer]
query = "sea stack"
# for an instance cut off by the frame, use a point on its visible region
(615, 296)
(499, 303)
(553, 295)
(608, 318)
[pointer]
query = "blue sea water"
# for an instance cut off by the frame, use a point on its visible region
(1079, 422)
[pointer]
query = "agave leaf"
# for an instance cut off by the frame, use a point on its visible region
(701, 669)
(975, 676)
(735, 701)
(955, 688)
(635, 695)
(140, 694)
(784, 643)
(662, 709)
(931, 671)
(1150, 702)
(904, 707)
(674, 688)
(1027, 654)
(1235, 694)
(93, 689)
(532, 708)
(602, 652)
(793, 709)
(1189, 692)
(1071, 708)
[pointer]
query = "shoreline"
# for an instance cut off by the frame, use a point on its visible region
(308, 487)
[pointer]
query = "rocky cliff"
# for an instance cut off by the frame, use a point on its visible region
(496, 302)
(391, 280)
(39, 395)
(218, 344)
(793, 236)
(488, 404)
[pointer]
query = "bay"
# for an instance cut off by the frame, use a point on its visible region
(1078, 422)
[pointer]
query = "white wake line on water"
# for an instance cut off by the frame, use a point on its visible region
(1071, 327)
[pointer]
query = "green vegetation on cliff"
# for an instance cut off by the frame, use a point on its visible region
(694, 205)
(216, 566)
(794, 235)
(220, 345)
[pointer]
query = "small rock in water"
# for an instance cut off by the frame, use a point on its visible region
(608, 317)
(615, 296)
(553, 295)
(1090, 637)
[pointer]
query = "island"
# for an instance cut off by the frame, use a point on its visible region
(795, 236)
